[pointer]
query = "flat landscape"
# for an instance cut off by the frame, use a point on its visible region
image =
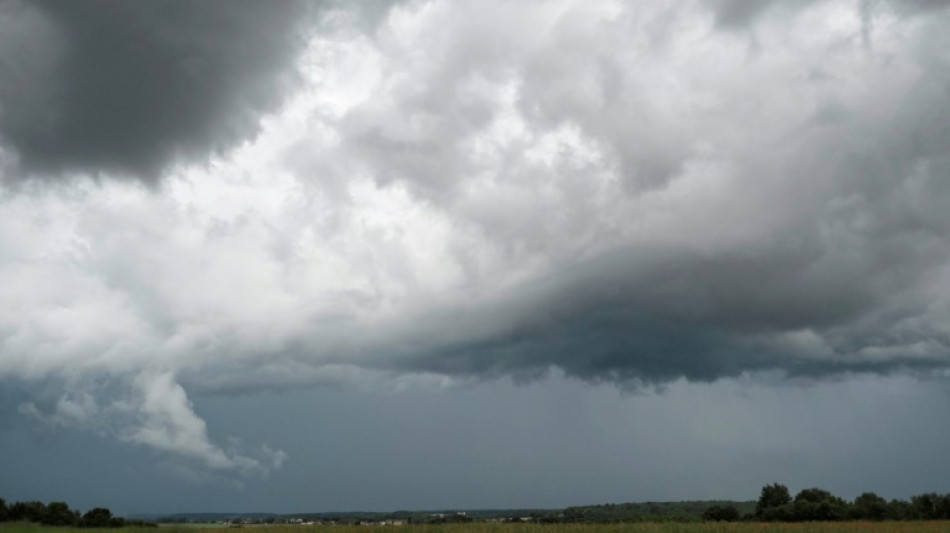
(654, 527)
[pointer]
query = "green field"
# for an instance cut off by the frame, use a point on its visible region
(806, 527)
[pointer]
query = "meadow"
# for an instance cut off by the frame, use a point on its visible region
(657, 527)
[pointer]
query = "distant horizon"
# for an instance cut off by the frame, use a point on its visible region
(426, 510)
(224, 514)
(776, 502)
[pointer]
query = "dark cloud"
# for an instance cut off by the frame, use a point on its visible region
(741, 13)
(915, 6)
(846, 286)
(131, 87)
(738, 14)
(633, 322)
(733, 13)
(844, 196)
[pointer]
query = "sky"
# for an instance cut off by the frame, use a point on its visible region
(326, 256)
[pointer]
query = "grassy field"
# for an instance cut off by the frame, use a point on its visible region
(809, 527)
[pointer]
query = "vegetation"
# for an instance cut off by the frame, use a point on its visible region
(814, 509)
(810, 505)
(690, 511)
(721, 513)
(59, 514)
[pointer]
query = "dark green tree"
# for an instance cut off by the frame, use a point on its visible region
(869, 506)
(899, 510)
(98, 517)
(721, 513)
(925, 506)
(3, 510)
(943, 507)
(773, 497)
(26, 511)
(818, 504)
(931, 506)
(59, 514)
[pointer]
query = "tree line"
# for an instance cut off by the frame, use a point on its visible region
(59, 514)
(776, 504)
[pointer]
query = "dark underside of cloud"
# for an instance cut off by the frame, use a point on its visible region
(129, 88)
(851, 284)
(621, 321)
(738, 14)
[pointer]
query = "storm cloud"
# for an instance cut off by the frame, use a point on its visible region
(131, 88)
(460, 191)
(763, 210)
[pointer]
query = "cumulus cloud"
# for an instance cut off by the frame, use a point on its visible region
(168, 423)
(628, 193)
(691, 198)
(148, 409)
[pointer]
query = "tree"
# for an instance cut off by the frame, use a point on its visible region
(943, 507)
(773, 496)
(26, 511)
(98, 517)
(3, 510)
(818, 504)
(721, 513)
(931, 506)
(869, 506)
(925, 505)
(899, 510)
(59, 514)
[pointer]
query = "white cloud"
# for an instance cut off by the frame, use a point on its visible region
(167, 422)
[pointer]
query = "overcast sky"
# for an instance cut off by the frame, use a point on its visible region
(326, 256)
